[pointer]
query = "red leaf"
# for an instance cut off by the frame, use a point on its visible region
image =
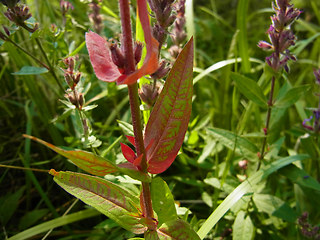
(128, 153)
(169, 119)
(100, 58)
(131, 140)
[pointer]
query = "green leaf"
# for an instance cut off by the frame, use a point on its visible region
(177, 230)
(234, 142)
(162, 201)
(87, 161)
(291, 96)
(250, 89)
(169, 118)
(135, 174)
(30, 218)
(8, 205)
(242, 189)
(267, 203)
(301, 177)
(30, 70)
(274, 206)
(57, 222)
(108, 198)
(243, 228)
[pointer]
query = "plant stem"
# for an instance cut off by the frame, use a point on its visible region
(28, 53)
(127, 45)
(51, 69)
(266, 130)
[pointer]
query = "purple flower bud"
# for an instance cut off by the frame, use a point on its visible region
(162, 71)
(138, 51)
(6, 30)
(317, 75)
(117, 56)
(265, 45)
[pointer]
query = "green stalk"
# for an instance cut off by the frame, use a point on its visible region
(270, 104)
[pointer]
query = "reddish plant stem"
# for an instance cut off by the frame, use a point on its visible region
(127, 45)
(266, 130)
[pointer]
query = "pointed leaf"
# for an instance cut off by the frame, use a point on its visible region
(177, 230)
(132, 171)
(243, 228)
(162, 201)
(30, 70)
(87, 161)
(240, 145)
(128, 153)
(244, 188)
(169, 119)
(100, 58)
(108, 198)
(250, 89)
(291, 96)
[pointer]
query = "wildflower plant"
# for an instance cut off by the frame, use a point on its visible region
(155, 150)
(83, 59)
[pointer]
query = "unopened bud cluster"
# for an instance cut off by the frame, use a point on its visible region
(95, 16)
(118, 58)
(307, 230)
(72, 78)
(149, 93)
(19, 14)
(178, 35)
(162, 10)
(280, 35)
(65, 7)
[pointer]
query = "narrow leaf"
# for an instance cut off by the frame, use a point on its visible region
(177, 230)
(169, 119)
(301, 177)
(87, 161)
(244, 188)
(30, 70)
(292, 96)
(162, 201)
(108, 198)
(232, 141)
(250, 89)
(57, 222)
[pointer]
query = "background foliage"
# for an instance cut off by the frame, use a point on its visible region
(207, 170)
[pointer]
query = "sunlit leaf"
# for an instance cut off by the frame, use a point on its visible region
(162, 201)
(240, 145)
(243, 228)
(87, 161)
(250, 89)
(169, 119)
(108, 198)
(177, 230)
(291, 96)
